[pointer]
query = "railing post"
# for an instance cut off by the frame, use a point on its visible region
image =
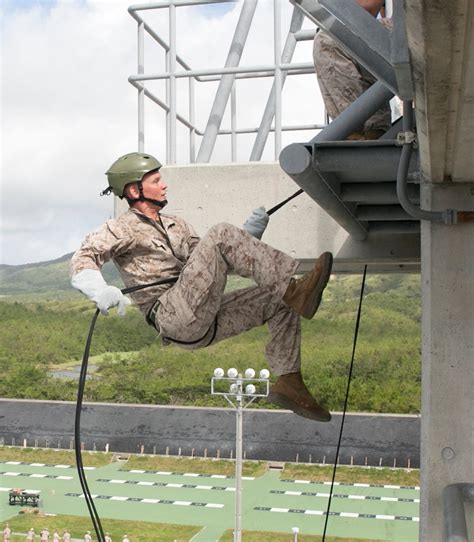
(167, 86)
(172, 104)
(192, 130)
(278, 75)
(141, 91)
(233, 123)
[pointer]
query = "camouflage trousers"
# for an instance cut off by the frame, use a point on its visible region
(196, 310)
(342, 80)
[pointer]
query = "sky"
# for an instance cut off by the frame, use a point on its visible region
(67, 110)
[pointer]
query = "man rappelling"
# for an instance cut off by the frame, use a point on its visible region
(194, 312)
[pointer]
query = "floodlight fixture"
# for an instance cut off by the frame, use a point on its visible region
(234, 388)
(249, 373)
(243, 390)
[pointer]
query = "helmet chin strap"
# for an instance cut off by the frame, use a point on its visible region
(142, 197)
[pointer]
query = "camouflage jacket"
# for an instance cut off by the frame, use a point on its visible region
(142, 249)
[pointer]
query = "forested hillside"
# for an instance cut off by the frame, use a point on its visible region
(44, 329)
(50, 278)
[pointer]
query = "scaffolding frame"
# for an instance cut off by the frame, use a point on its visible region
(176, 67)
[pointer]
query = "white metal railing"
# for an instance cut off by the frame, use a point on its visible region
(272, 117)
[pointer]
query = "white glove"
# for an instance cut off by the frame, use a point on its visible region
(257, 222)
(91, 283)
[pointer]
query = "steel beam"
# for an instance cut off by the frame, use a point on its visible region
(269, 113)
(372, 213)
(352, 176)
(407, 227)
(373, 193)
(374, 160)
(297, 160)
(353, 117)
(362, 24)
(400, 55)
(390, 47)
(227, 81)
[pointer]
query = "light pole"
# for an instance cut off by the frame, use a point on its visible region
(241, 392)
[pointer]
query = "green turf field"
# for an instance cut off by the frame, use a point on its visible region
(270, 504)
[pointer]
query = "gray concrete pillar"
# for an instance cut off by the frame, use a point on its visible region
(447, 420)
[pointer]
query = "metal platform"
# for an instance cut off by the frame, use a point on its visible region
(355, 182)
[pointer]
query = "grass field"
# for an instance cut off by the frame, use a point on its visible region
(361, 475)
(53, 457)
(146, 531)
(198, 465)
(290, 471)
(138, 531)
(154, 526)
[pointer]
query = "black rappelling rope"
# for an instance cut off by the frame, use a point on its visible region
(82, 383)
(356, 333)
(284, 202)
(77, 422)
(77, 435)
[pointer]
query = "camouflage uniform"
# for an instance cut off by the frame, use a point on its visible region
(342, 80)
(195, 312)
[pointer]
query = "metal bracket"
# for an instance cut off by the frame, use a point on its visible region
(450, 217)
(405, 138)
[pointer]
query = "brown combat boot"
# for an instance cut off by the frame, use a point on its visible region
(304, 295)
(290, 392)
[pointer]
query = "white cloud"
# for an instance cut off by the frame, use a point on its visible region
(67, 110)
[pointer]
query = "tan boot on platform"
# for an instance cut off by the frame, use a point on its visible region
(290, 392)
(304, 295)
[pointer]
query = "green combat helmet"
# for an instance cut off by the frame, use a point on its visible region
(127, 169)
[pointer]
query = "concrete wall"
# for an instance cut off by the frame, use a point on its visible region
(268, 434)
(447, 431)
(205, 194)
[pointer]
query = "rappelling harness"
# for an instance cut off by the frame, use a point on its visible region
(151, 320)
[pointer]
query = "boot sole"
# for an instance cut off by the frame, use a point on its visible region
(286, 403)
(320, 286)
